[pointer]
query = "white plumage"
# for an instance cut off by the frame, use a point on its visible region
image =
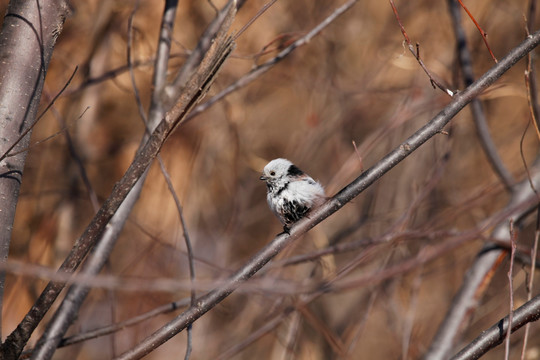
(291, 192)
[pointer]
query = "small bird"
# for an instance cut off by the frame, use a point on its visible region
(291, 192)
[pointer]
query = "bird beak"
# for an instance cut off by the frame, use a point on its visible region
(263, 178)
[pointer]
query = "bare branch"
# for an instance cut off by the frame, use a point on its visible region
(256, 72)
(208, 301)
(482, 129)
(416, 54)
(129, 55)
(530, 74)
(188, 246)
(27, 39)
(482, 32)
(495, 335)
(465, 300)
(510, 274)
(29, 128)
(194, 90)
(534, 253)
(196, 55)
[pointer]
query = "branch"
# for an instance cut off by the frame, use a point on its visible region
(263, 68)
(482, 32)
(172, 91)
(27, 39)
(416, 54)
(530, 74)
(194, 90)
(211, 299)
(187, 241)
(495, 335)
(482, 129)
(475, 279)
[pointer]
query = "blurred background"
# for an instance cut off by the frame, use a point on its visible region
(334, 107)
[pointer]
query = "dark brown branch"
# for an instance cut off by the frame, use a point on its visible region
(194, 90)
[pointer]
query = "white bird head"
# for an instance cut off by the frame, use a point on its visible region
(279, 171)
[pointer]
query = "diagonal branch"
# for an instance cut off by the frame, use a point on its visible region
(256, 72)
(172, 91)
(466, 299)
(207, 302)
(193, 91)
(482, 32)
(416, 54)
(495, 335)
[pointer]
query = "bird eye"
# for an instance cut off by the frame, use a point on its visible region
(272, 173)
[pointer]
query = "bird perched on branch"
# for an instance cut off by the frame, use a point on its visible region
(291, 192)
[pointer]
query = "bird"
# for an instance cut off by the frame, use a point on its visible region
(291, 193)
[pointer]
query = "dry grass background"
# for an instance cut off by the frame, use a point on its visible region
(353, 82)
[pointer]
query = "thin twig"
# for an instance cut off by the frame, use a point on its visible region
(268, 326)
(188, 246)
(416, 54)
(122, 325)
(360, 159)
(252, 20)
(530, 74)
(534, 252)
(129, 47)
(531, 84)
(257, 71)
(117, 71)
(51, 103)
(78, 161)
(482, 32)
(52, 136)
(510, 275)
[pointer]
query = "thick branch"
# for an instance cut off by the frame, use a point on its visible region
(27, 39)
(194, 90)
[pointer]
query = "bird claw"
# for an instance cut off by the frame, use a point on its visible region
(286, 230)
